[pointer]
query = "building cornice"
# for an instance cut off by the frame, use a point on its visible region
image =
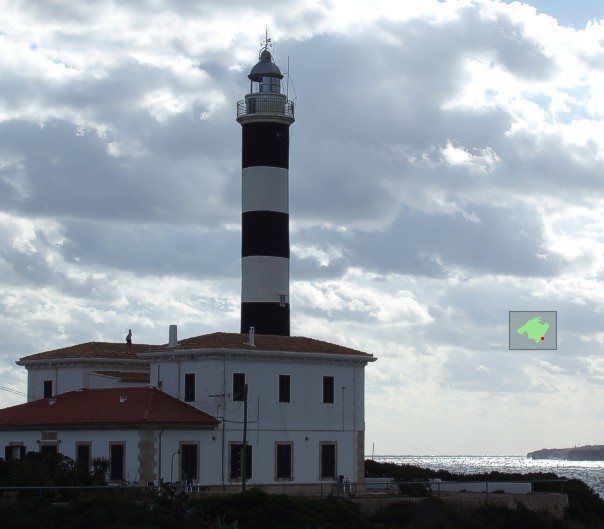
(257, 354)
(75, 361)
(109, 426)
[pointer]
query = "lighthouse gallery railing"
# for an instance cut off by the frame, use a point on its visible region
(265, 105)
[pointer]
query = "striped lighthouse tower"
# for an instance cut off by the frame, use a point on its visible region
(265, 116)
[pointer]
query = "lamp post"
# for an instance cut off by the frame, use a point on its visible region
(172, 466)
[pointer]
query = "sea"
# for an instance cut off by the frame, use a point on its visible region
(590, 472)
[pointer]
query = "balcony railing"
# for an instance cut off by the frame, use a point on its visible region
(265, 105)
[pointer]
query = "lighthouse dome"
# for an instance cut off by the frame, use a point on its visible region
(265, 68)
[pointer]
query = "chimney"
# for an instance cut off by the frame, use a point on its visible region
(173, 336)
(251, 337)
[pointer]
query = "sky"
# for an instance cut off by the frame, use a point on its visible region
(446, 167)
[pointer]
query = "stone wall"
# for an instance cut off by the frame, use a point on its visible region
(552, 503)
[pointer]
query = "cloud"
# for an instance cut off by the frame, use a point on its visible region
(445, 169)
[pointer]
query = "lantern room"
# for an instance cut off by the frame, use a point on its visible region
(265, 77)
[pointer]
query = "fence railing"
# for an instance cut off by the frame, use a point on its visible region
(265, 105)
(438, 487)
(339, 489)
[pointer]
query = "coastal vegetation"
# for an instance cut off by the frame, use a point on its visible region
(171, 508)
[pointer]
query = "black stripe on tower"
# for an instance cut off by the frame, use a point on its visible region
(265, 233)
(266, 318)
(265, 144)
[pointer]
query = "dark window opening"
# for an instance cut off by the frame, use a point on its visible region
(49, 448)
(236, 462)
(189, 387)
(284, 461)
(14, 452)
(188, 463)
(47, 388)
(328, 390)
(284, 388)
(83, 455)
(116, 462)
(328, 461)
(238, 386)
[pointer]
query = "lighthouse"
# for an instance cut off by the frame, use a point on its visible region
(265, 116)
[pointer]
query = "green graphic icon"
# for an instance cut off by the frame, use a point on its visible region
(534, 329)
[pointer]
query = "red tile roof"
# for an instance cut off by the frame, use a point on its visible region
(94, 408)
(217, 340)
(265, 342)
(94, 350)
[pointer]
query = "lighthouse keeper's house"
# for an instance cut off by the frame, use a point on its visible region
(177, 411)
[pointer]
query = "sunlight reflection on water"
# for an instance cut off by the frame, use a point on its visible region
(591, 472)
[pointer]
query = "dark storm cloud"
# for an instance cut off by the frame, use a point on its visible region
(383, 106)
(416, 243)
(506, 40)
(58, 172)
(155, 249)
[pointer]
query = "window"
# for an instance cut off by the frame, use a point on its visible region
(189, 387)
(270, 84)
(328, 390)
(83, 455)
(327, 460)
(189, 465)
(284, 388)
(238, 386)
(47, 388)
(282, 300)
(236, 462)
(14, 451)
(49, 448)
(49, 442)
(284, 461)
(116, 461)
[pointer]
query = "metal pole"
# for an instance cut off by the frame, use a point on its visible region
(172, 466)
(244, 446)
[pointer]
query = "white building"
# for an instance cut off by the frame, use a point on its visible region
(305, 416)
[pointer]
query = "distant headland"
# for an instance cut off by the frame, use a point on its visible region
(578, 453)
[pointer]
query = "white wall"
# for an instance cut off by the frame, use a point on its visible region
(102, 381)
(100, 440)
(69, 378)
(306, 410)
(209, 455)
(305, 454)
(305, 421)
(64, 379)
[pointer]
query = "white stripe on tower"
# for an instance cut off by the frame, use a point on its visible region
(265, 116)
